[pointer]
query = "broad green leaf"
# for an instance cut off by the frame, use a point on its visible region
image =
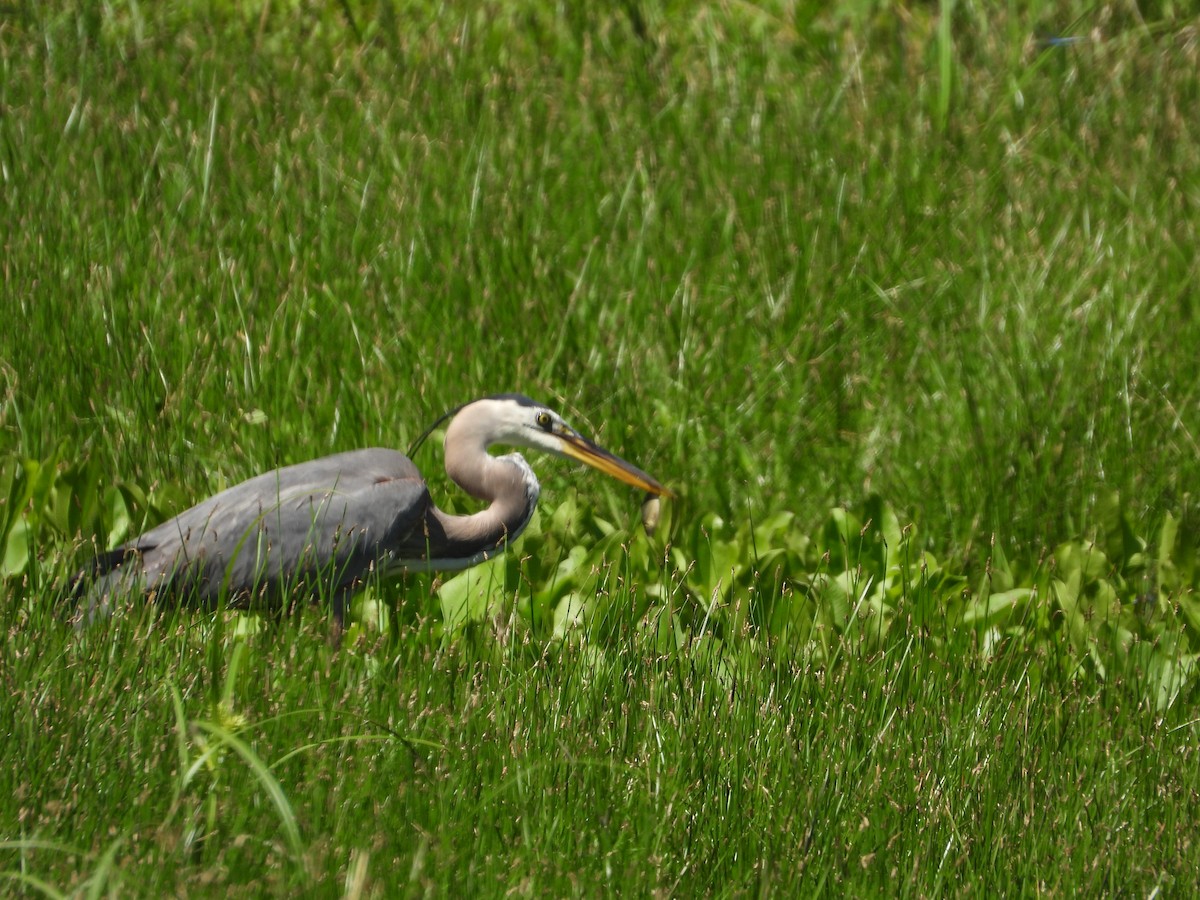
(1002, 576)
(1168, 674)
(41, 477)
(771, 532)
(565, 578)
(1084, 561)
(893, 535)
(16, 549)
(833, 599)
(533, 531)
(468, 596)
(10, 473)
(1105, 603)
(564, 519)
(996, 606)
(569, 614)
(120, 520)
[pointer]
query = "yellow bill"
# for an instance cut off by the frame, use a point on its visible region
(578, 447)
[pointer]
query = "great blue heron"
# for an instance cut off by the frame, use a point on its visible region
(317, 529)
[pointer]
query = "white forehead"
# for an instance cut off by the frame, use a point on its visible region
(509, 419)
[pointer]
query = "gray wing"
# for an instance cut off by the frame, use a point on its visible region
(316, 525)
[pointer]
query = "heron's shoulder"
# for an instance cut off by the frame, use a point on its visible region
(293, 487)
(372, 464)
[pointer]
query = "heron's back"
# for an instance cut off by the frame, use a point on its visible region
(324, 521)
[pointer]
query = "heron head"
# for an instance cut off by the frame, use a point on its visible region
(517, 421)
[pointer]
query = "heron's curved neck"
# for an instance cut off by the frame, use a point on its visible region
(507, 482)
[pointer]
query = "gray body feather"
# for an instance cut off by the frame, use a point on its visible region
(314, 530)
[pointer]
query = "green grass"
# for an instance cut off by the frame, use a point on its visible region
(902, 306)
(573, 771)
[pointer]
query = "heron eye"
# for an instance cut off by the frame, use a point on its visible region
(544, 421)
